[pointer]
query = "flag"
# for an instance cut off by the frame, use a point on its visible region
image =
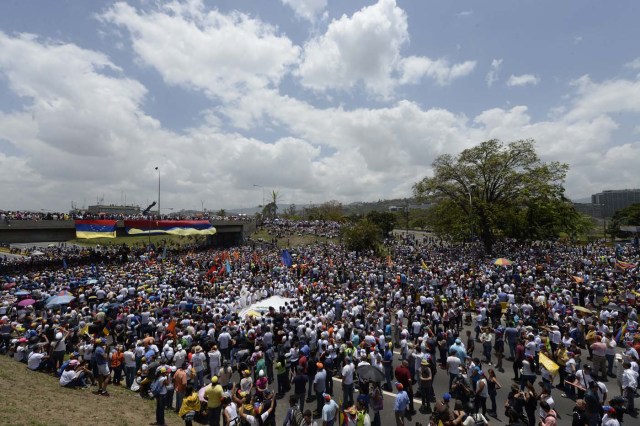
(621, 333)
(171, 328)
(211, 270)
(424, 265)
(95, 229)
(624, 265)
(105, 331)
(84, 330)
(287, 260)
(227, 267)
(171, 227)
(551, 366)
(389, 262)
(64, 263)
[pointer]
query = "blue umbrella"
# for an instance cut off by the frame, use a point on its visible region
(22, 293)
(59, 300)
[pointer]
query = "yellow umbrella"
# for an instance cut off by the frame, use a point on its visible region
(582, 309)
(252, 313)
(502, 261)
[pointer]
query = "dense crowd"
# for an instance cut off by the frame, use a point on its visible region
(8, 216)
(176, 329)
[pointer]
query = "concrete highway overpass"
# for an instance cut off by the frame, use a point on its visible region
(228, 232)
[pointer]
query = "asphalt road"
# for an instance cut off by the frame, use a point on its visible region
(563, 406)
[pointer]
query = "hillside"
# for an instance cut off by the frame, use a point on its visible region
(31, 398)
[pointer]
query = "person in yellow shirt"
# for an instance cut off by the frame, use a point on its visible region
(213, 395)
(190, 406)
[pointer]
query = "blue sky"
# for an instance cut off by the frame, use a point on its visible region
(317, 99)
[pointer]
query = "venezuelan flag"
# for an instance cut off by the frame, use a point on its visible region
(621, 333)
(95, 229)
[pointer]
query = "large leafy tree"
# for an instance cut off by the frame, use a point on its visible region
(627, 216)
(384, 220)
(361, 236)
(496, 189)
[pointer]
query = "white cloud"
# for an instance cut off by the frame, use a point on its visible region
(635, 64)
(366, 49)
(223, 55)
(465, 13)
(522, 80)
(414, 68)
(81, 128)
(307, 9)
(492, 75)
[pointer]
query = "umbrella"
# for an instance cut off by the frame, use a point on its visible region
(613, 307)
(37, 253)
(26, 302)
(578, 279)
(22, 293)
(502, 261)
(252, 313)
(371, 373)
(7, 286)
(59, 300)
(582, 309)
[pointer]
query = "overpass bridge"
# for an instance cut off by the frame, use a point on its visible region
(228, 232)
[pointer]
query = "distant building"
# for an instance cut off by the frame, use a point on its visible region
(114, 209)
(616, 199)
(590, 209)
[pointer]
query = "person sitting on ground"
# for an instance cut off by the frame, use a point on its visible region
(73, 375)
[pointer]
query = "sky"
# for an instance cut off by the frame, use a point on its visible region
(319, 100)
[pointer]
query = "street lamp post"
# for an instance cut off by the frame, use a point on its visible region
(158, 170)
(262, 187)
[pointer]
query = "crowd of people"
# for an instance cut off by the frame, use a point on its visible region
(7, 216)
(564, 318)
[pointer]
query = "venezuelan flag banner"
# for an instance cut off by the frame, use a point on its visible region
(171, 227)
(95, 229)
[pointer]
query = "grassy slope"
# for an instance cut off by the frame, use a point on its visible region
(294, 240)
(31, 398)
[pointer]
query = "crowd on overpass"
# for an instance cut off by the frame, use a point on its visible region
(430, 316)
(7, 216)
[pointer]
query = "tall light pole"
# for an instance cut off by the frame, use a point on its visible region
(260, 186)
(158, 170)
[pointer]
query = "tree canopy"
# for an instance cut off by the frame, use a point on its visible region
(627, 216)
(496, 189)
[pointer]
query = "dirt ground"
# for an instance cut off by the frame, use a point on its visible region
(32, 398)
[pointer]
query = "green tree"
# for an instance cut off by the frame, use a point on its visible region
(361, 236)
(385, 221)
(628, 216)
(290, 212)
(221, 212)
(496, 190)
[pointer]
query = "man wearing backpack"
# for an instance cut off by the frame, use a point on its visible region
(159, 390)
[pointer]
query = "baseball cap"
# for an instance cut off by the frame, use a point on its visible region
(446, 396)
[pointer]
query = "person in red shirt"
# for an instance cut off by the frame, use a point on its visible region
(517, 363)
(403, 375)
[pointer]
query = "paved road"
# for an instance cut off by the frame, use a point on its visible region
(563, 406)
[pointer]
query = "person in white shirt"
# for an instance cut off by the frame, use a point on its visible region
(129, 366)
(610, 352)
(36, 359)
(453, 367)
(629, 385)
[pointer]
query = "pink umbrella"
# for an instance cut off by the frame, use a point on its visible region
(26, 302)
